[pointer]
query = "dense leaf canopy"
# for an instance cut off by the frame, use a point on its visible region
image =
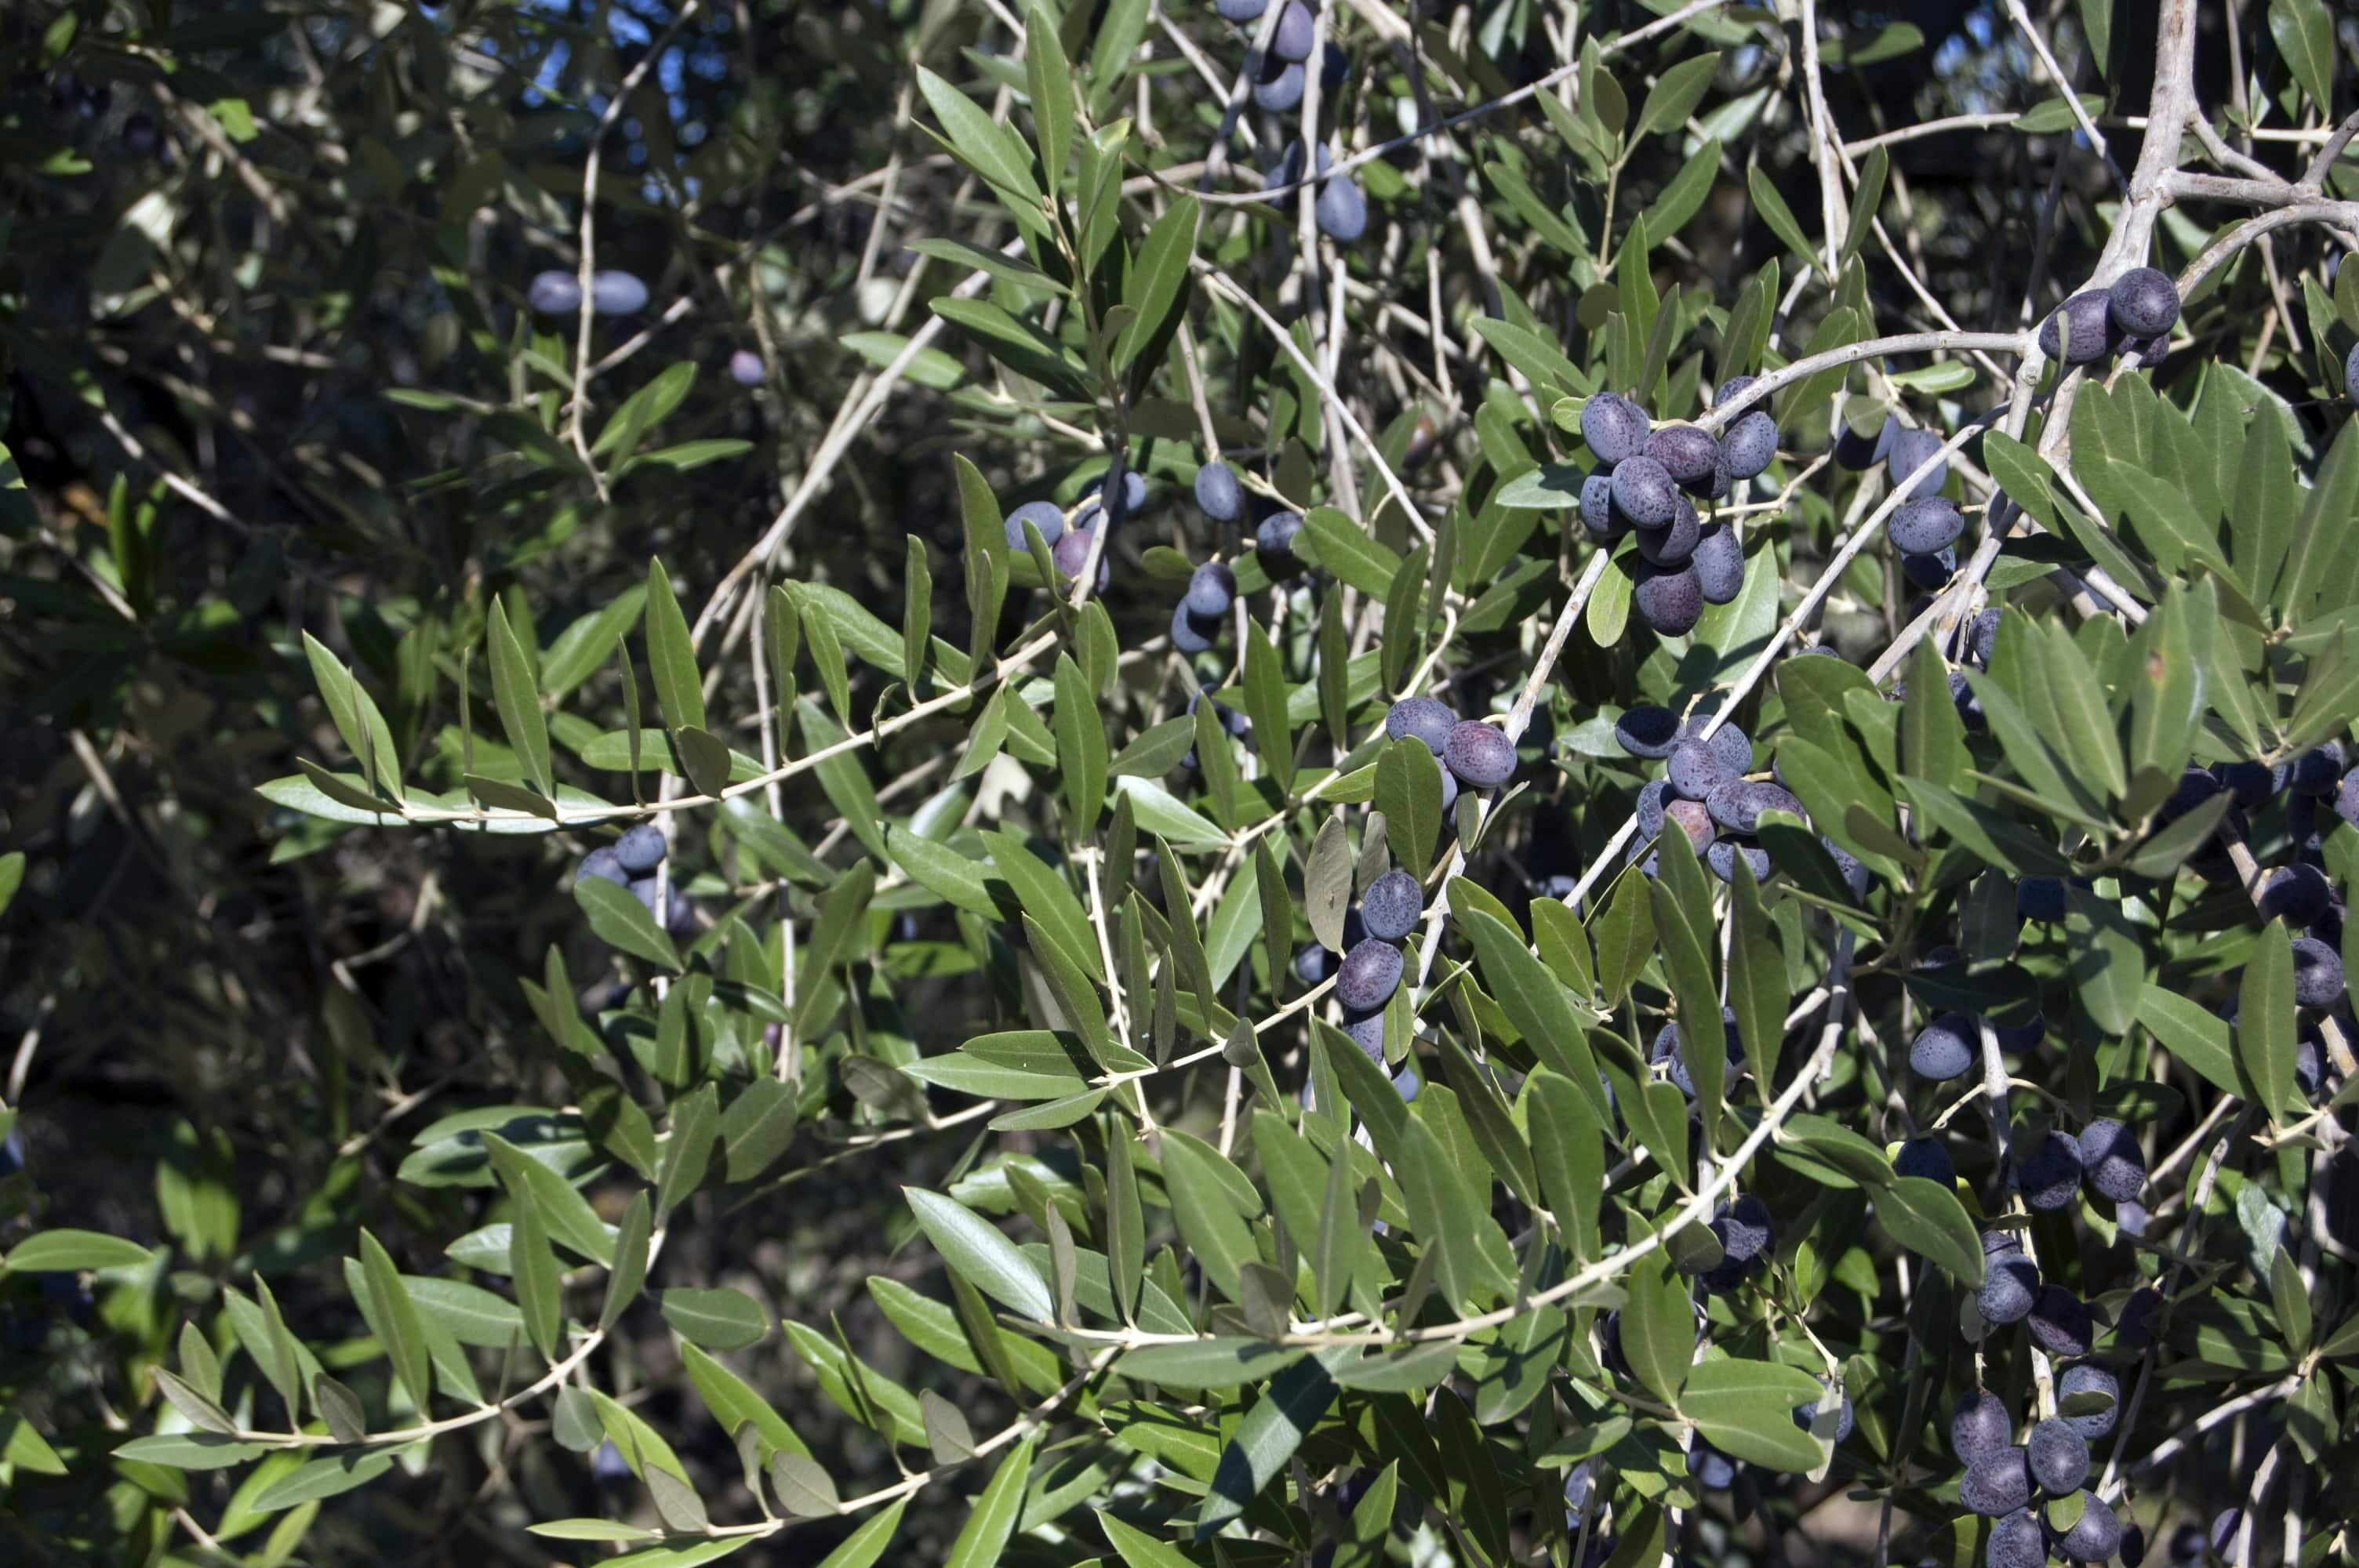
(1193, 785)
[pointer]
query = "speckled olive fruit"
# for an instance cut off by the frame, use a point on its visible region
(2317, 771)
(1191, 634)
(1645, 492)
(1212, 588)
(1371, 972)
(1924, 527)
(1980, 1427)
(2350, 374)
(1946, 1047)
(1929, 572)
(1653, 795)
(1670, 599)
(2317, 979)
(1070, 553)
(1694, 771)
(1391, 905)
(1687, 453)
(2144, 303)
(1666, 1050)
(1910, 449)
(2310, 1062)
(2010, 1285)
(1749, 444)
(1738, 806)
(2095, 1536)
(1845, 1417)
(602, 865)
(2133, 1550)
(2058, 1457)
(1241, 10)
(1278, 85)
(1674, 545)
(2049, 1173)
(554, 293)
(1723, 854)
(2061, 1322)
(1219, 496)
(1648, 730)
(1719, 563)
(2087, 320)
(746, 368)
(1747, 1236)
(2087, 1378)
(1313, 963)
(1694, 821)
(1730, 743)
(1480, 754)
(1134, 492)
(1857, 452)
(1045, 516)
(2040, 898)
(1428, 718)
(2111, 1160)
(1615, 428)
(1847, 865)
(1600, 518)
(1982, 638)
(2016, 1542)
(678, 918)
(1297, 31)
(617, 294)
(1712, 1470)
(1274, 540)
(1341, 209)
(2298, 894)
(1926, 1157)
(2254, 785)
(1996, 1484)
(640, 849)
(1367, 1032)
(2134, 1325)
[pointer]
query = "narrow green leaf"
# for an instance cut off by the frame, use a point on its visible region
(671, 654)
(405, 1335)
(2266, 1020)
(988, 1528)
(533, 1268)
(695, 1128)
(717, 1319)
(518, 701)
(976, 1249)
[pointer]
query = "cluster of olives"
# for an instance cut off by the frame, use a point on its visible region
(1704, 790)
(2134, 316)
(1642, 482)
(2297, 892)
(556, 293)
(1094, 514)
(630, 862)
(1337, 205)
(1926, 527)
(1474, 755)
(2004, 1478)
(1279, 74)
(1221, 497)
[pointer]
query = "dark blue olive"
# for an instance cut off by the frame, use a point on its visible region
(554, 293)
(640, 849)
(1045, 516)
(1219, 496)
(617, 294)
